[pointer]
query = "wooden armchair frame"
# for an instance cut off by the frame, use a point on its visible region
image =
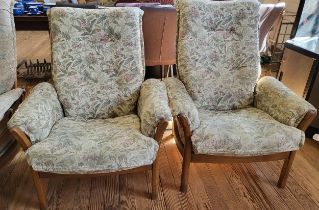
(13, 149)
(183, 138)
(37, 176)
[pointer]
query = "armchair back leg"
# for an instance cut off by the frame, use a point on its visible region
(155, 179)
(39, 185)
(285, 170)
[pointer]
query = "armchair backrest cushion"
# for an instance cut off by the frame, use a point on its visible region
(8, 62)
(98, 60)
(218, 55)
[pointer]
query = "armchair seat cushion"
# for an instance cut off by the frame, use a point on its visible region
(93, 146)
(243, 132)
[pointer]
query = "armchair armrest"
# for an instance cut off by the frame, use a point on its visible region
(181, 103)
(37, 113)
(7, 99)
(153, 106)
(281, 103)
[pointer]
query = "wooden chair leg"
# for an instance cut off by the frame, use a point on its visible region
(155, 179)
(177, 73)
(163, 72)
(185, 170)
(285, 170)
(39, 185)
(172, 70)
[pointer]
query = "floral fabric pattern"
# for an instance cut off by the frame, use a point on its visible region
(280, 102)
(97, 57)
(38, 112)
(93, 146)
(8, 63)
(244, 132)
(7, 99)
(181, 103)
(218, 55)
(153, 106)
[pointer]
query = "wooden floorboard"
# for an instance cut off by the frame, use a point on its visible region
(171, 195)
(221, 186)
(211, 186)
(272, 178)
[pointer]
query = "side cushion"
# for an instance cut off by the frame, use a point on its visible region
(97, 56)
(280, 102)
(38, 112)
(218, 54)
(8, 62)
(153, 106)
(181, 103)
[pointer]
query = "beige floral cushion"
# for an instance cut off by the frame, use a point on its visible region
(244, 132)
(98, 64)
(38, 112)
(7, 99)
(218, 56)
(280, 102)
(8, 63)
(181, 103)
(153, 106)
(93, 146)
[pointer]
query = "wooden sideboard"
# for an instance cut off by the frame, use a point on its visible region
(31, 23)
(299, 71)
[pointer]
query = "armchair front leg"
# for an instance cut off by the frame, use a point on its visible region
(41, 191)
(32, 122)
(284, 174)
(187, 152)
(160, 130)
(154, 113)
(286, 107)
(303, 125)
(25, 143)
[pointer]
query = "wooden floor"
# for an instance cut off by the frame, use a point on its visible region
(212, 186)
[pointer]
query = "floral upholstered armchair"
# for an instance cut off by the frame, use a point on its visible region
(222, 111)
(8, 59)
(9, 95)
(100, 116)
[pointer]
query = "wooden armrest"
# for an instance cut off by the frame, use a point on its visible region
(307, 120)
(21, 137)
